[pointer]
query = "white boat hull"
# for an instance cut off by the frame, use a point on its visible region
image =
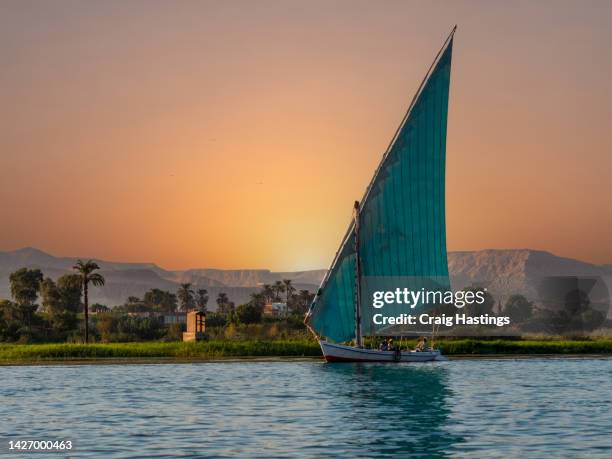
(341, 353)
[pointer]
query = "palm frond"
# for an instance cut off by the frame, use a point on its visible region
(79, 265)
(86, 267)
(96, 279)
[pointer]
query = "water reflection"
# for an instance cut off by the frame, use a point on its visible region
(394, 410)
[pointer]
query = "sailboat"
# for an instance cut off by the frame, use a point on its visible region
(397, 236)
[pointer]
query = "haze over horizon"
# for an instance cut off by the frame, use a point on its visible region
(321, 268)
(237, 135)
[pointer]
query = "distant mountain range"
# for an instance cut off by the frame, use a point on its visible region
(134, 279)
(523, 271)
(502, 271)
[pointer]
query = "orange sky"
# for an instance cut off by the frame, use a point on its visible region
(238, 134)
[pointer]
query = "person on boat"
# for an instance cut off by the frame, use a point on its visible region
(390, 345)
(422, 345)
(383, 346)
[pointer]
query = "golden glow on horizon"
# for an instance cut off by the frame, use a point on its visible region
(238, 135)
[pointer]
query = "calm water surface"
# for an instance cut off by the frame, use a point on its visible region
(538, 408)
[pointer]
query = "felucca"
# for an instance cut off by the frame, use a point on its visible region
(397, 237)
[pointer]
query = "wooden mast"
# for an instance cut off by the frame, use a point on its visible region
(358, 337)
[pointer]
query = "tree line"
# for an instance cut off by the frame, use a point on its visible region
(573, 313)
(42, 309)
(60, 303)
(62, 314)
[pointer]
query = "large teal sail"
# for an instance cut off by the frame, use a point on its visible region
(402, 231)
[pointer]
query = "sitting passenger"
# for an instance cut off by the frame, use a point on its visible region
(383, 346)
(422, 346)
(390, 346)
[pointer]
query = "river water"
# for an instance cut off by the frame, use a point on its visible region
(540, 408)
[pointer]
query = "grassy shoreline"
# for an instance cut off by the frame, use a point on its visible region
(144, 352)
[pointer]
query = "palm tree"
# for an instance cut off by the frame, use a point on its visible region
(289, 289)
(202, 299)
(305, 298)
(222, 298)
(86, 271)
(279, 288)
(268, 292)
(185, 295)
(257, 299)
(224, 305)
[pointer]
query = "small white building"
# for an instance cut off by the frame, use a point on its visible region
(275, 309)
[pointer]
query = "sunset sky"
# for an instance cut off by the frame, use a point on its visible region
(238, 134)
